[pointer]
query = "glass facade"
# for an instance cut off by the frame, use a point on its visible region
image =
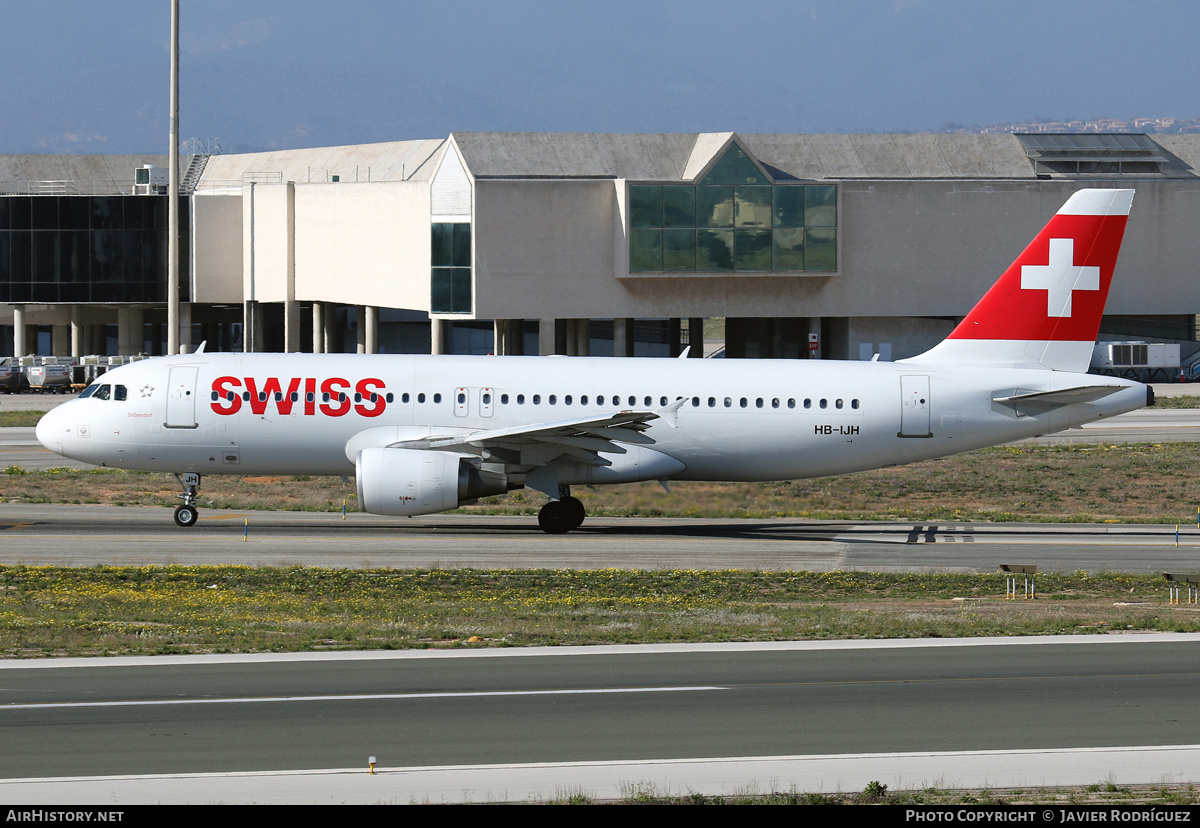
(450, 282)
(733, 220)
(87, 249)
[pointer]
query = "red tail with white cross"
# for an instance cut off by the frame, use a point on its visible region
(1045, 310)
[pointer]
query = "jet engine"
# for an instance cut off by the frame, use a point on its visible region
(399, 481)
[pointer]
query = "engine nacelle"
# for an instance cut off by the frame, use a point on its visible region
(398, 481)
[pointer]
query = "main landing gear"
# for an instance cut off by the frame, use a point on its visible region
(561, 516)
(188, 514)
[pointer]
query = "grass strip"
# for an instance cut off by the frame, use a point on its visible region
(63, 611)
(1100, 794)
(1129, 482)
(20, 419)
(1177, 402)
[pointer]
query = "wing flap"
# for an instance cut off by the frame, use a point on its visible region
(580, 440)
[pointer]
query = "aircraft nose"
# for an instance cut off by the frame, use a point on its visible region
(50, 430)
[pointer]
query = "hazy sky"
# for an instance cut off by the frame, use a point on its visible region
(87, 76)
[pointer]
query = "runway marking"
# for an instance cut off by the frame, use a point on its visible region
(364, 697)
(963, 680)
(930, 534)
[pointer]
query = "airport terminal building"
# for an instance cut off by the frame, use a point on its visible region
(827, 246)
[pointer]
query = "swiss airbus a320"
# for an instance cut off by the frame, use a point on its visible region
(425, 434)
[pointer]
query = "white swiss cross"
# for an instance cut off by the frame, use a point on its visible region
(1060, 277)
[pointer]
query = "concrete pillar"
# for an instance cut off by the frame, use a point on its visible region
(185, 329)
(696, 336)
(371, 327)
(332, 344)
(77, 331)
(500, 344)
(565, 337)
(291, 309)
(437, 336)
(291, 326)
(623, 337)
(547, 336)
(19, 330)
(131, 335)
(583, 337)
(360, 328)
(318, 328)
(248, 326)
(516, 337)
(253, 326)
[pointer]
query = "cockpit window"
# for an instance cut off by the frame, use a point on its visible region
(103, 392)
(87, 392)
(119, 392)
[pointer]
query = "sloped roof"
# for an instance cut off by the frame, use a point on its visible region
(85, 174)
(649, 157)
(920, 155)
(389, 161)
(676, 156)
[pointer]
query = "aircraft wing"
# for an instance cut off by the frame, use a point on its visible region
(581, 439)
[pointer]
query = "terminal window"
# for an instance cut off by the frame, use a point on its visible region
(450, 281)
(733, 220)
(87, 248)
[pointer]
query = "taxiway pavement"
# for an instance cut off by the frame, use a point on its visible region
(88, 535)
(495, 725)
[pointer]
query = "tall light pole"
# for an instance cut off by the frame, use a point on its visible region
(173, 194)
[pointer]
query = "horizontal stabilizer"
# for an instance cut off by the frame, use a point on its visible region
(1035, 402)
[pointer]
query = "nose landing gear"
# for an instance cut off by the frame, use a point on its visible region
(188, 514)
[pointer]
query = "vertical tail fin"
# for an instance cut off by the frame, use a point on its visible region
(1045, 309)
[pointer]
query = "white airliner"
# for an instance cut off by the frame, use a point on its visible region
(424, 434)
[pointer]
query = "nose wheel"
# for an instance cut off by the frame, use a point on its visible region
(188, 514)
